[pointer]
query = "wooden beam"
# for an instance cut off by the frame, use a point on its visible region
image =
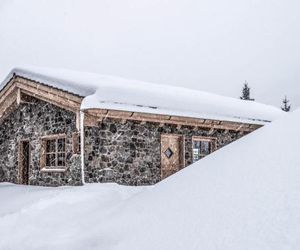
(9, 101)
(18, 96)
(8, 89)
(52, 100)
(45, 88)
(211, 131)
(165, 119)
(78, 120)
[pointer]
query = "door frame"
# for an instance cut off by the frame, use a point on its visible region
(182, 166)
(20, 164)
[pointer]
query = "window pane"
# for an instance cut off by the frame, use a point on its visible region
(50, 160)
(61, 145)
(205, 147)
(196, 150)
(196, 144)
(61, 159)
(196, 154)
(50, 146)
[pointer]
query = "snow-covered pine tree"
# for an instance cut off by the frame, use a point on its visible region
(286, 107)
(246, 93)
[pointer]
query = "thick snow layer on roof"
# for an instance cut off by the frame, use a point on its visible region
(243, 196)
(108, 92)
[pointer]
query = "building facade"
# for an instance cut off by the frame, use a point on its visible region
(46, 139)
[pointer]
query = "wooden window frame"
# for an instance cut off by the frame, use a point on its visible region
(211, 140)
(76, 143)
(56, 168)
(20, 165)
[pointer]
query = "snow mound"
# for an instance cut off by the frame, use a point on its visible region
(244, 196)
(109, 92)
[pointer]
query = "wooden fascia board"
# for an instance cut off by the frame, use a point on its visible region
(18, 85)
(95, 115)
(49, 89)
(47, 99)
(49, 96)
(10, 87)
(9, 101)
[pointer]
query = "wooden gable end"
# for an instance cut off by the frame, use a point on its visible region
(11, 96)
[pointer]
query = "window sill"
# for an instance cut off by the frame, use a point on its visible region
(50, 170)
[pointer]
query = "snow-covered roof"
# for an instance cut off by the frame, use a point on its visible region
(110, 92)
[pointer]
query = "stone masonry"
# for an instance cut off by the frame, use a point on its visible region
(130, 153)
(126, 153)
(33, 119)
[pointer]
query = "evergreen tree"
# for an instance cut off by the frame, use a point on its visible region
(246, 93)
(286, 107)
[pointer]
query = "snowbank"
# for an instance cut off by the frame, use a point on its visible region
(108, 92)
(244, 196)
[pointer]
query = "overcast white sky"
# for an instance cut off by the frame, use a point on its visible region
(211, 45)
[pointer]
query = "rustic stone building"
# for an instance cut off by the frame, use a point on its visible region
(66, 128)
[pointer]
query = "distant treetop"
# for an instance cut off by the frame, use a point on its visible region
(286, 107)
(246, 93)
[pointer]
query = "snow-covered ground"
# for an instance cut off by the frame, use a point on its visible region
(244, 196)
(60, 218)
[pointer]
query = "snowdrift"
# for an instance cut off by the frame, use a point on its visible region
(245, 196)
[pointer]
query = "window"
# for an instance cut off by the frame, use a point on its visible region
(76, 143)
(54, 153)
(202, 147)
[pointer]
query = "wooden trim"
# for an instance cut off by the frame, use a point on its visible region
(58, 170)
(76, 145)
(53, 136)
(94, 116)
(43, 139)
(51, 98)
(78, 120)
(20, 167)
(11, 98)
(182, 138)
(49, 89)
(212, 140)
(18, 85)
(18, 96)
(7, 89)
(204, 138)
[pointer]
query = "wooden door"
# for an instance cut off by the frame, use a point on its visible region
(24, 162)
(172, 158)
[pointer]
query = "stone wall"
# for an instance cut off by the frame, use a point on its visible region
(130, 153)
(126, 153)
(32, 120)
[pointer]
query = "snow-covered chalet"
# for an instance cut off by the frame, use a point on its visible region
(60, 127)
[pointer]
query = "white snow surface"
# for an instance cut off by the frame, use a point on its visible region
(109, 92)
(244, 196)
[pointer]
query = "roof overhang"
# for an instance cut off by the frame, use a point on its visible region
(10, 97)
